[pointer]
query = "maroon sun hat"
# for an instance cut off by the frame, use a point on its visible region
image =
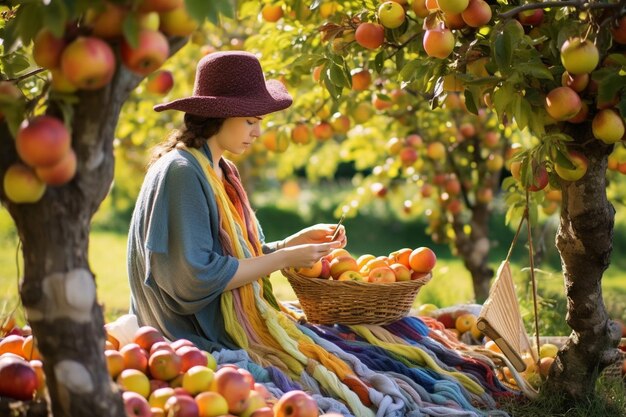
(231, 84)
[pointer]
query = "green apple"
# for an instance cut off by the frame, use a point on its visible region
(579, 56)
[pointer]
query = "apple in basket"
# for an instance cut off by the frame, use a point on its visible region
(312, 272)
(325, 274)
(341, 264)
(350, 276)
(381, 274)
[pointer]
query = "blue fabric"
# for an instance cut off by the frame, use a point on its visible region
(176, 265)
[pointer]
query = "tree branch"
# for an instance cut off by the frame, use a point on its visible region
(579, 4)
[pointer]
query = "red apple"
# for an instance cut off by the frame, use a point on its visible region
(438, 43)
(146, 336)
(341, 264)
(134, 357)
(18, 380)
(530, 17)
(181, 406)
(161, 346)
(422, 259)
(151, 52)
(60, 173)
(164, 365)
(161, 82)
(136, 405)
(381, 274)
(540, 178)
(115, 362)
(233, 386)
(176, 344)
(42, 141)
(325, 273)
(370, 35)
(296, 404)
(401, 272)
(562, 103)
(47, 49)
(191, 356)
(106, 22)
(478, 13)
(88, 63)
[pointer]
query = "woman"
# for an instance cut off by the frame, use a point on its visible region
(179, 255)
(196, 255)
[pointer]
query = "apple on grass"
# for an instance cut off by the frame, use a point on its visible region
(296, 403)
(191, 356)
(134, 357)
(135, 405)
(181, 406)
(197, 379)
(135, 381)
(211, 404)
(159, 396)
(18, 379)
(233, 386)
(115, 362)
(164, 365)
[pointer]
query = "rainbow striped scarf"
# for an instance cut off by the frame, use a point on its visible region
(272, 337)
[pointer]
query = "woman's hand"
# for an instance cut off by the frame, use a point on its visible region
(305, 256)
(318, 233)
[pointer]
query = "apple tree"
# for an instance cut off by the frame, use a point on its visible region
(552, 70)
(66, 69)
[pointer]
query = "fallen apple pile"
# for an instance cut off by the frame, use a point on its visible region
(157, 378)
(84, 58)
(401, 265)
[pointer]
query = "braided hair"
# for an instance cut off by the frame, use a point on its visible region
(194, 133)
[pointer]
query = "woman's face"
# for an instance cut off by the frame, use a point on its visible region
(238, 133)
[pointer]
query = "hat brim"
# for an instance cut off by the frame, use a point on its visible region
(276, 99)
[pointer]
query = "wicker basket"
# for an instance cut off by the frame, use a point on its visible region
(352, 302)
(614, 371)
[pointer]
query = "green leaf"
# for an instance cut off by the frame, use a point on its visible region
(534, 70)
(54, 17)
(339, 77)
(609, 87)
(503, 51)
(379, 61)
(400, 60)
(130, 28)
(407, 73)
(470, 102)
(334, 92)
(562, 159)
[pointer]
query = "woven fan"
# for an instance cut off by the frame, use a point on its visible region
(500, 317)
(501, 320)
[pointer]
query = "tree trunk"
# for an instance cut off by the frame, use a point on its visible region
(585, 241)
(58, 289)
(474, 249)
